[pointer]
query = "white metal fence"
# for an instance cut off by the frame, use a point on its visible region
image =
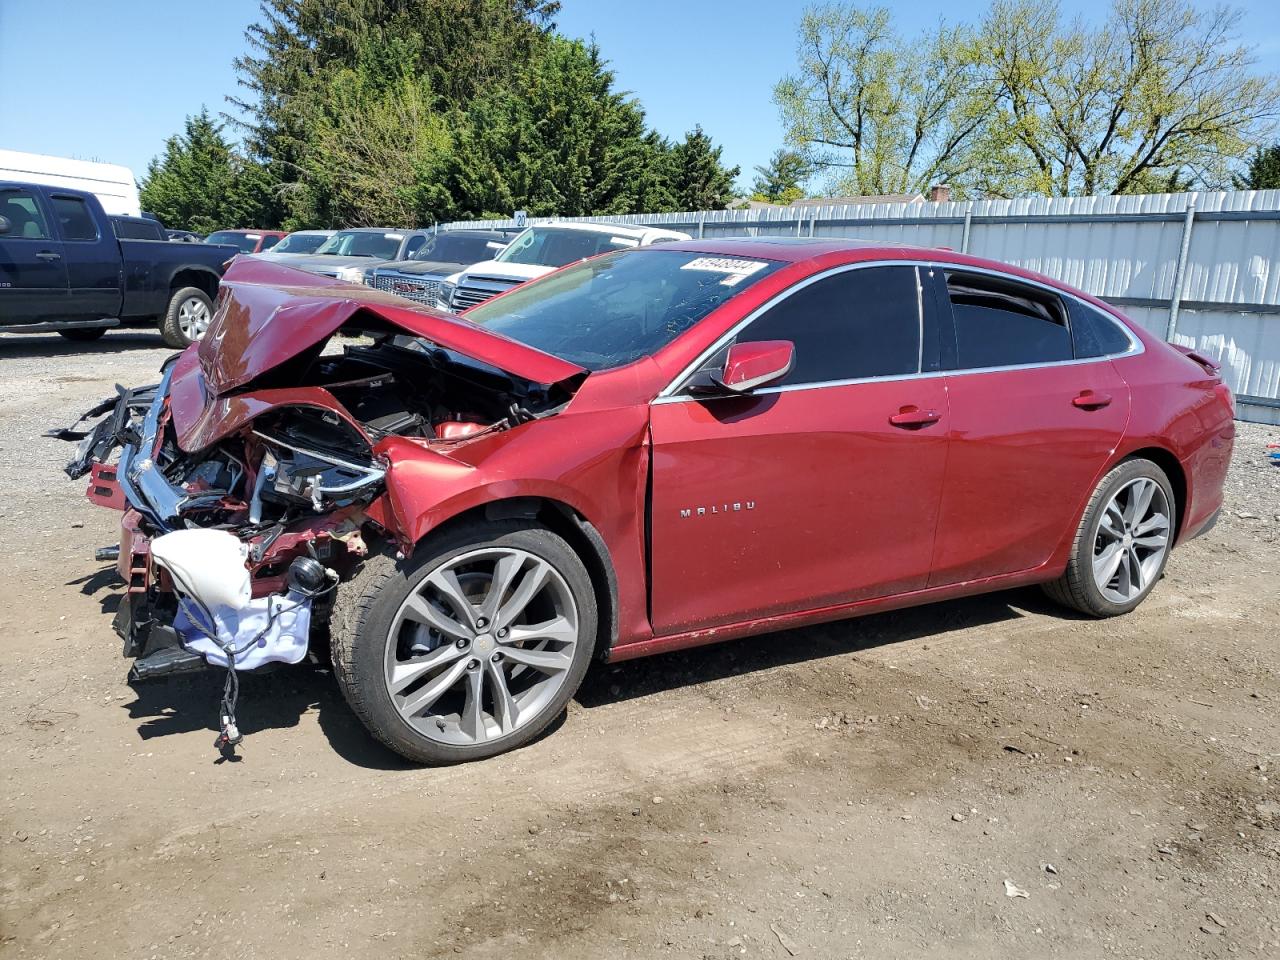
(1201, 269)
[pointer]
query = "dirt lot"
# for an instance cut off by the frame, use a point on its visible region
(858, 790)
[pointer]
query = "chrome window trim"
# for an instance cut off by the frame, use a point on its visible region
(670, 393)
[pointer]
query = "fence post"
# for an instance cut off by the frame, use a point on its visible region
(968, 224)
(702, 219)
(813, 215)
(1180, 273)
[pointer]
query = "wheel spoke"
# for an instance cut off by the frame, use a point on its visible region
(1135, 571)
(472, 721)
(504, 573)
(450, 590)
(1154, 542)
(1157, 521)
(433, 691)
(546, 661)
(404, 674)
(1106, 562)
(558, 629)
(505, 710)
(1108, 527)
(534, 579)
(421, 610)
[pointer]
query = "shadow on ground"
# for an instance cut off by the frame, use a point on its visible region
(279, 698)
(15, 346)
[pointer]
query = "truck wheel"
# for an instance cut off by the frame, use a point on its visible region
(83, 335)
(187, 317)
(470, 648)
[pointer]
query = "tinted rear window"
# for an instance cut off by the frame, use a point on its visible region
(1094, 333)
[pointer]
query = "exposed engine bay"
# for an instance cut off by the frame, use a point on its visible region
(278, 457)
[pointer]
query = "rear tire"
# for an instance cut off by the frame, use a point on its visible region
(1122, 544)
(84, 334)
(186, 318)
(436, 694)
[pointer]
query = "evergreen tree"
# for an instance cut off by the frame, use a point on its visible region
(201, 184)
(782, 179)
(698, 180)
(1263, 172)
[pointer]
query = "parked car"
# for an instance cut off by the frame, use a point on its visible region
(113, 185)
(537, 251)
(657, 448)
(300, 243)
(349, 253)
(439, 257)
(247, 241)
(63, 269)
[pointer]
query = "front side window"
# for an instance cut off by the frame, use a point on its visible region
(1003, 323)
(616, 309)
(26, 219)
(558, 246)
(852, 325)
(74, 219)
(243, 242)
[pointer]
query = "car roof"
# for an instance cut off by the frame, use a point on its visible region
(379, 230)
(631, 230)
(791, 249)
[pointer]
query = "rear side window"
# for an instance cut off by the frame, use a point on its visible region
(850, 326)
(26, 220)
(127, 229)
(1001, 323)
(1095, 334)
(74, 219)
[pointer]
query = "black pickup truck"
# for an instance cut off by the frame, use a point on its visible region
(64, 269)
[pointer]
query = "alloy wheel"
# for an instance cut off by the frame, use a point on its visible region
(481, 645)
(1131, 541)
(193, 318)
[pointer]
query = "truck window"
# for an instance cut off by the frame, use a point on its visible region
(74, 218)
(24, 215)
(129, 229)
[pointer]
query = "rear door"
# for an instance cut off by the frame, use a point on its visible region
(1034, 420)
(820, 491)
(92, 257)
(33, 275)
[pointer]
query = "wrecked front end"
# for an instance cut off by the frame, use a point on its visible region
(270, 454)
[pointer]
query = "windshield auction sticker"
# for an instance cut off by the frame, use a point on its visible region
(735, 270)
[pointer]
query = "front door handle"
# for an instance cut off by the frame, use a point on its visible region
(913, 418)
(48, 255)
(1088, 400)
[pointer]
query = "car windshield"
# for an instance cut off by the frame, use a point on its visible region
(618, 308)
(362, 243)
(300, 243)
(458, 248)
(244, 242)
(558, 246)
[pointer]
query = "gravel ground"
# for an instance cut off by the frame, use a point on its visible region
(888, 786)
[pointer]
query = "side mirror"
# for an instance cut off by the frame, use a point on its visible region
(5, 225)
(751, 365)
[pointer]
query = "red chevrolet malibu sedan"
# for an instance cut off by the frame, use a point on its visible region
(652, 449)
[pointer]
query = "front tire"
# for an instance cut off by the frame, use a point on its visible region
(470, 648)
(1122, 544)
(186, 318)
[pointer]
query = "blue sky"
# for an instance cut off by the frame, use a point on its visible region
(111, 79)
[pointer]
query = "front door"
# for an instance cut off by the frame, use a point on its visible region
(33, 276)
(819, 491)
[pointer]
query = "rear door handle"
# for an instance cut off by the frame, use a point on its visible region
(1088, 400)
(48, 255)
(913, 418)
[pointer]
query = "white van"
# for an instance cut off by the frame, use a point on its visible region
(113, 185)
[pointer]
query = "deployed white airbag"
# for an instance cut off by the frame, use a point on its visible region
(208, 565)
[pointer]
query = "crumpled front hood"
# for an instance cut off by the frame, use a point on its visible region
(270, 314)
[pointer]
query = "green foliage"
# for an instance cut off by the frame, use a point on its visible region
(1160, 95)
(697, 178)
(1263, 170)
(201, 184)
(782, 179)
